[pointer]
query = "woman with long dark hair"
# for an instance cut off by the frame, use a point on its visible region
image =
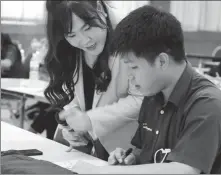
(91, 86)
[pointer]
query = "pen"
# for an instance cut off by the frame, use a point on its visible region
(127, 153)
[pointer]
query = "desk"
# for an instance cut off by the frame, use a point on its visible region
(31, 88)
(24, 88)
(13, 137)
(210, 63)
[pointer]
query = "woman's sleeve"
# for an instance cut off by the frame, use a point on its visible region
(58, 133)
(125, 110)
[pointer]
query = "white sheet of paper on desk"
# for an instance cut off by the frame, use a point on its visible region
(70, 164)
(67, 164)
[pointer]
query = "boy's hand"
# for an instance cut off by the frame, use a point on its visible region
(118, 157)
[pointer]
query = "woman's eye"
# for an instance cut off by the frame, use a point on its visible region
(71, 35)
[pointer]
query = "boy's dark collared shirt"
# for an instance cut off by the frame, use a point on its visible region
(189, 124)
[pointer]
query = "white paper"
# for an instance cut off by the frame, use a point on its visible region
(71, 163)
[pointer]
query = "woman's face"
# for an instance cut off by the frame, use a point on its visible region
(83, 36)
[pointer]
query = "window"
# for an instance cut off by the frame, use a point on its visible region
(198, 15)
(34, 10)
(11, 9)
(22, 10)
(124, 7)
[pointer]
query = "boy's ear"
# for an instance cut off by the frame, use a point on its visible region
(162, 61)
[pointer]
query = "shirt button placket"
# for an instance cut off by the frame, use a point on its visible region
(161, 112)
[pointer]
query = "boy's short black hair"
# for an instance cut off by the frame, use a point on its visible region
(147, 32)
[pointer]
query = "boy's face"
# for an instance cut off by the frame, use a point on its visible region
(148, 78)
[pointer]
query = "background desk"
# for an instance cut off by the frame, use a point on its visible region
(31, 88)
(24, 88)
(13, 137)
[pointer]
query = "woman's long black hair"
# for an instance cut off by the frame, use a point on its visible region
(63, 60)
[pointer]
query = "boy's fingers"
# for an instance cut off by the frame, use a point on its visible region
(129, 160)
(119, 154)
(112, 159)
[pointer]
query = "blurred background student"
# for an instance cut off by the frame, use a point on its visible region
(42, 114)
(11, 64)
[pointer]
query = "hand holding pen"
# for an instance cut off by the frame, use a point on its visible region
(122, 157)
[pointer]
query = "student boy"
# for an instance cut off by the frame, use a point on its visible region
(180, 119)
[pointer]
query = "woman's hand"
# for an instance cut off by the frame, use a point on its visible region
(76, 119)
(74, 138)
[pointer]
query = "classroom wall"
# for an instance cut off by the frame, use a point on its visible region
(199, 42)
(202, 43)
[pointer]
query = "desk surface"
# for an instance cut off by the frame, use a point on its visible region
(13, 137)
(34, 88)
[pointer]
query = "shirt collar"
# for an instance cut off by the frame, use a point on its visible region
(182, 86)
